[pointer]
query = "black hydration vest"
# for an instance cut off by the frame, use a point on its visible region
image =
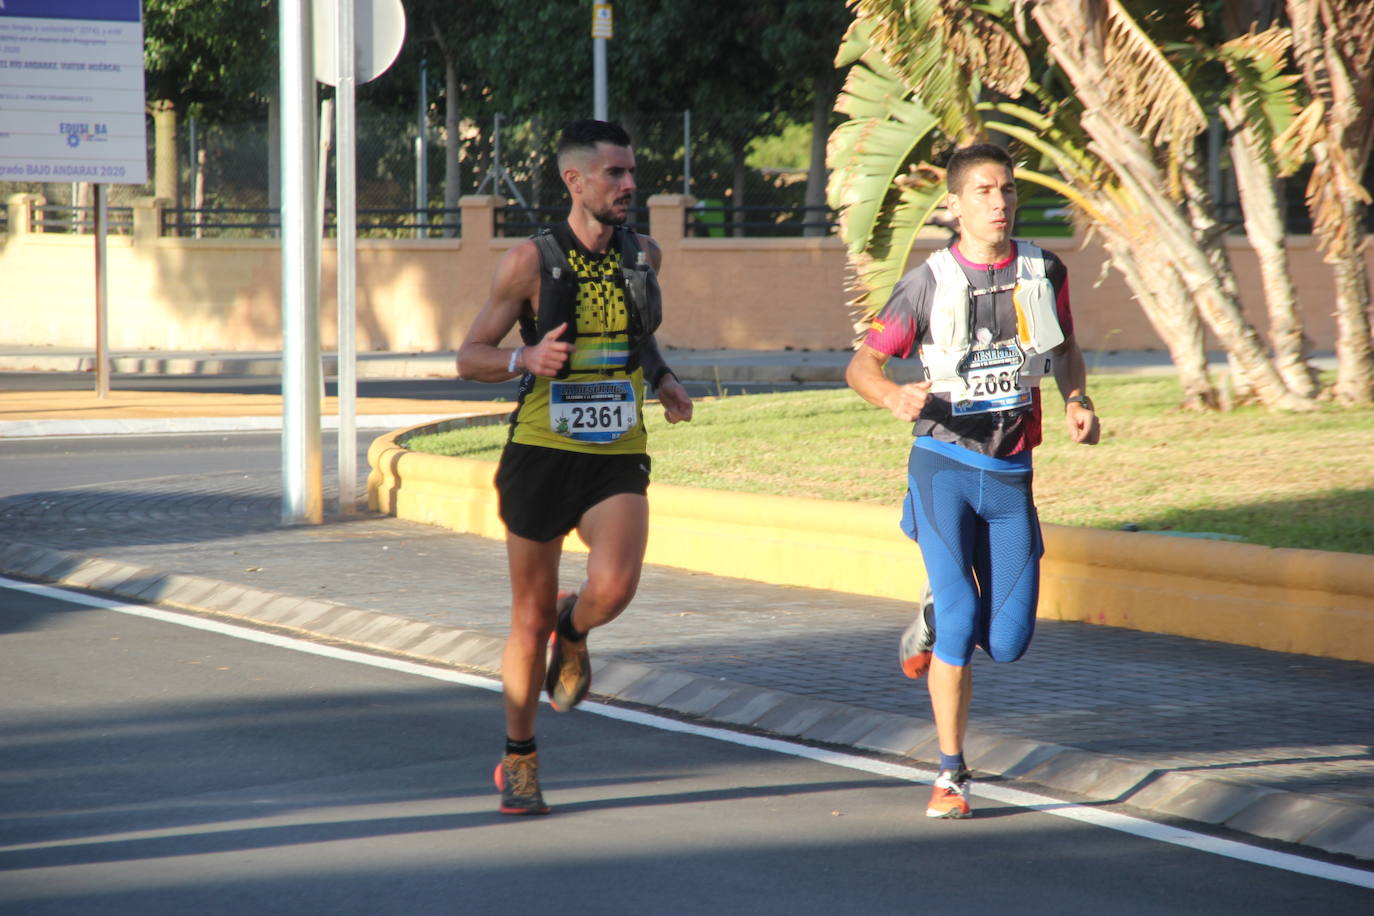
(558, 285)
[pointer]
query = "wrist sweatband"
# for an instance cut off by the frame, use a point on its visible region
(514, 358)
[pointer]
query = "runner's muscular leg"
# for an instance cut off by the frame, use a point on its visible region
(951, 689)
(534, 590)
(616, 531)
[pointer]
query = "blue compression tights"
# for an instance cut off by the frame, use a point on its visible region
(975, 521)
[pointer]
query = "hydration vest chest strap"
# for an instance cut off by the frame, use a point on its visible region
(1037, 320)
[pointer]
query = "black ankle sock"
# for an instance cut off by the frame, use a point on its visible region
(565, 625)
(520, 747)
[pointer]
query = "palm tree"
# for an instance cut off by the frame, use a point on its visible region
(1260, 105)
(1331, 40)
(1125, 142)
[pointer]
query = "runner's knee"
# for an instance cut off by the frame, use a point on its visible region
(614, 589)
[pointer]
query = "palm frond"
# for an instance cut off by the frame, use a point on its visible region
(1144, 84)
(882, 201)
(945, 51)
(876, 270)
(1305, 131)
(1263, 95)
(866, 153)
(1055, 136)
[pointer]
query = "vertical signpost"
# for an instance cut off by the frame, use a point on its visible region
(302, 387)
(603, 30)
(355, 41)
(71, 86)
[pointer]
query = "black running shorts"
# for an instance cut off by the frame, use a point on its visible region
(544, 491)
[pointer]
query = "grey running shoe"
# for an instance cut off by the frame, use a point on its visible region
(919, 639)
(570, 667)
(950, 796)
(517, 776)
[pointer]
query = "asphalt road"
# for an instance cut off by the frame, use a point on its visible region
(61, 462)
(150, 767)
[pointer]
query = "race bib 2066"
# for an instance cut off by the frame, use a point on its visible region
(992, 375)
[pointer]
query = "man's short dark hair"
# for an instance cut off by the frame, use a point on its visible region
(586, 134)
(969, 156)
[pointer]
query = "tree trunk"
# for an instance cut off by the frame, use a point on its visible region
(1078, 49)
(453, 176)
(1354, 354)
(822, 103)
(1200, 264)
(166, 174)
(1265, 230)
(1170, 312)
(1331, 45)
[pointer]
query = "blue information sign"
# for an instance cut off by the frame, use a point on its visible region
(108, 10)
(71, 91)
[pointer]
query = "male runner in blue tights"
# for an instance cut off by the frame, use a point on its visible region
(989, 317)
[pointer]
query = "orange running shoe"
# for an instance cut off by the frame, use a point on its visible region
(950, 796)
(517, 776)
(918, 640)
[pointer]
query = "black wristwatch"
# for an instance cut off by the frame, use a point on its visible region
(1080, 399)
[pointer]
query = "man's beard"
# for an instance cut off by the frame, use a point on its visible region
(607, 217)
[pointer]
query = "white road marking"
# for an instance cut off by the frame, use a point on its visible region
(1097, 817)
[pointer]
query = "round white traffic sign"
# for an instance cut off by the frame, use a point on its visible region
(379, 28)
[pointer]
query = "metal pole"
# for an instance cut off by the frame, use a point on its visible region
(687, 151)
(102, 297)
(421, 161)
(346, 248)
(599, 78)
(302, 386)
(195, 172)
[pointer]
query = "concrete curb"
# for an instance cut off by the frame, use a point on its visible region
(1318, 823)
(1284, 600)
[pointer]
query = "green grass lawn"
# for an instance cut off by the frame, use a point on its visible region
(1283, 480)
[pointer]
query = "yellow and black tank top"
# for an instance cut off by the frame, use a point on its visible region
(598, 408)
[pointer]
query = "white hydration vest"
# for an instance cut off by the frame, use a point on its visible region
(955, 362)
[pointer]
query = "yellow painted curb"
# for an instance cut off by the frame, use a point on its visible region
(1304, 601)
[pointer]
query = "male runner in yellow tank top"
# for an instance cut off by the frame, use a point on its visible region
(586, 297)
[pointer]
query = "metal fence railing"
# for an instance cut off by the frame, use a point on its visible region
(189, 222)
(717, 220)
(78, 219)
(514, 222)
(251, 222)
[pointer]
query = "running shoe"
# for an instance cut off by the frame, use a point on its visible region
(950, 796)
(570, 668)
(918, 640)
(517, 776)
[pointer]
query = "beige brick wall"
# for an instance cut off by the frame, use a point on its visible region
(420, 295)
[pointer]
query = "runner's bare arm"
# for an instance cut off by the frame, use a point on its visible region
(480, 358)
(866, 376)
(1071, 374)
(677, 404)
